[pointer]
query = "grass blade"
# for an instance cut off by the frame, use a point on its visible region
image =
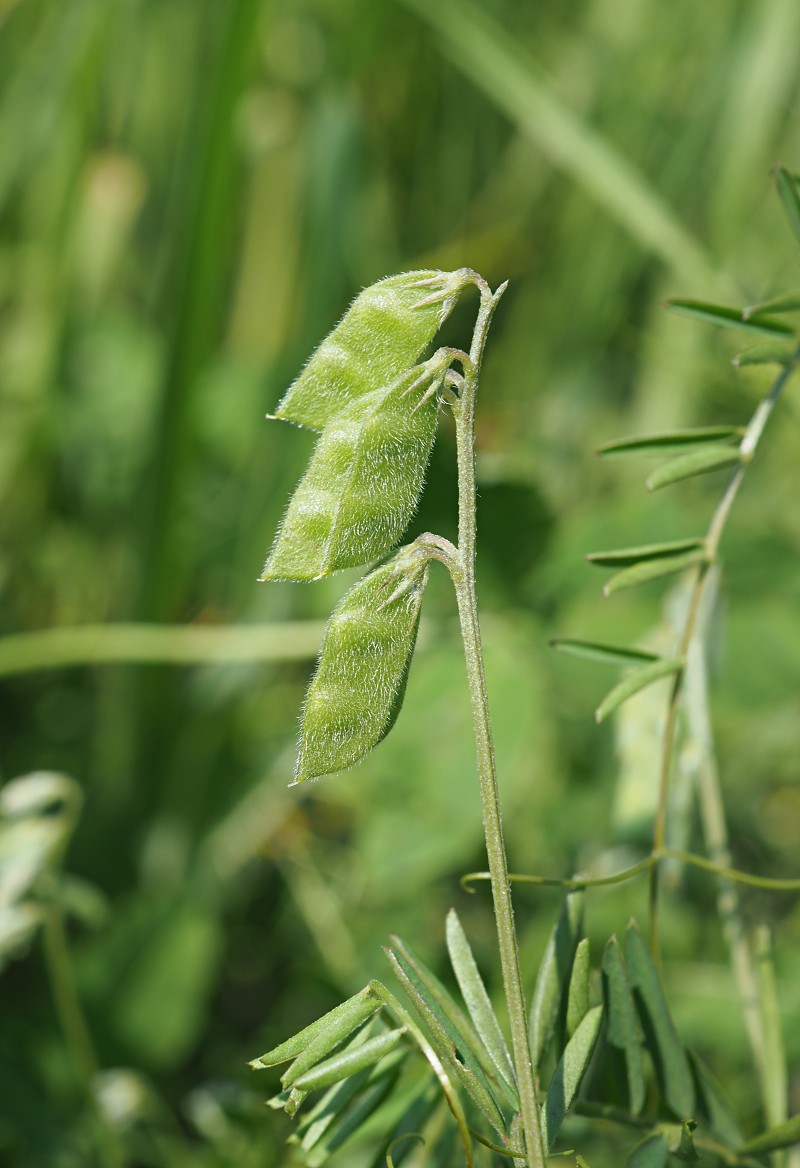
(721, 314)
(496, 64)
(635, 681)
(605, 654)
(477, 999)
(700, 461)
(669, 1056)
(67, 647)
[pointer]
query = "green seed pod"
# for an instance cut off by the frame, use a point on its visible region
(357, 690)
(362, 484)
(384, 331)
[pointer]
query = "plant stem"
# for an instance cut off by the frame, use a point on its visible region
(463, 574)
(719, 519)
(65, 997)
(76, 1032)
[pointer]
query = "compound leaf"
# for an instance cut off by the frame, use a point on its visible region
(380, 1083)
(323, 1034)
(443, 1035)
(655, 569)
(349, 1062)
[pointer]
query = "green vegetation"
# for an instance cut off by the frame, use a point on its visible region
(191, 195)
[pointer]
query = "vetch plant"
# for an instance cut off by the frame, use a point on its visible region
(600, 1044)
(355, 500)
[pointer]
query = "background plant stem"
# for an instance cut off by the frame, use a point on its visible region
(76, 1032)
(464, 580)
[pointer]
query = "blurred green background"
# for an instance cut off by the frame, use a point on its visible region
(191, 193)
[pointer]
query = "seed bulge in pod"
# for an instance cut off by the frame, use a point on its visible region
(384, 331)
(361, 486)
(357, 690)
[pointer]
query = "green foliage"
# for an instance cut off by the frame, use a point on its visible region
(467, 1054)
(316, 1040)
(743, 319)
(569, 1073)
(605, 654)
(666, 1050)
(673, 440)
(634, 682)
(790, 197)
(477, 999)
(648, 563)
(706, 458)
(549, 1000)
(191, 194)
(622, 1024)
(38, 814)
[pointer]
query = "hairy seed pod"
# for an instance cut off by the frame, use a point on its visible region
(384, 331)
(357, 690)
(362, 484)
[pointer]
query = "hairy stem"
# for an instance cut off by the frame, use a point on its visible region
(463, 574)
